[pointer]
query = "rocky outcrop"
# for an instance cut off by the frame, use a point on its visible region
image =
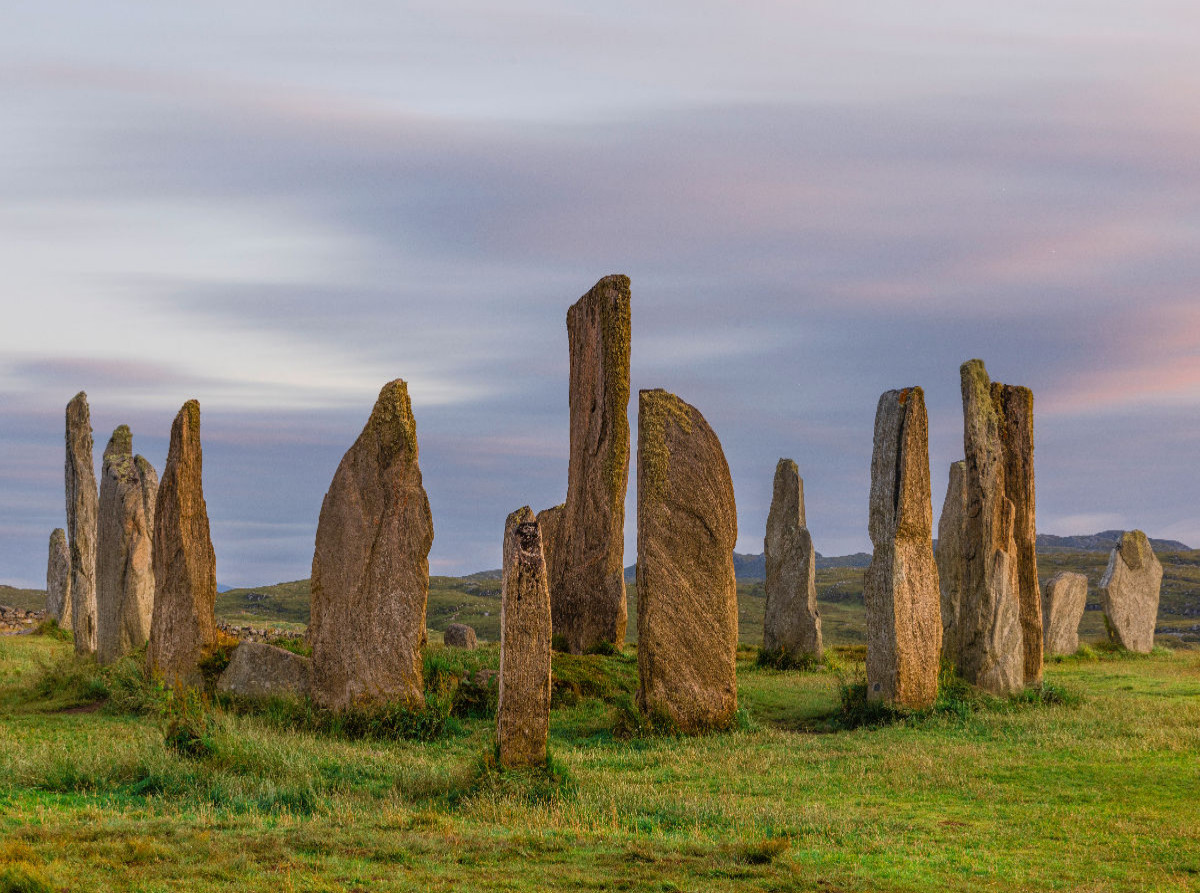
(124, 551)
(587, 580)
(58, 579)
(370, 571)
(459, 635)
(82, 509)
(183, 629)
(792, 623)
(259, 671)
(1063, 606)
(904, 624)
(687, 596)
(523, 710)
(1129, 593)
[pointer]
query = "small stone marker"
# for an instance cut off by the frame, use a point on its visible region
(183, 630)
(904, 624)
(258, 670)
(523, 711)
(949, 554)
(459, 635)
(124, 550)
(58, 579)
(370, 571)
(1063, 606)
(82, 509)
(792, 623)
(1129, 593)
(687, 594)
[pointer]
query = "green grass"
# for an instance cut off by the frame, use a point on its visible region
(1094, 791)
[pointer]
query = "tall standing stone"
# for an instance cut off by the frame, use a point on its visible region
(687, 594)
(1129, 593)
(1063, 607)
(792, 623)
(523, 711)
(82, 508)
(949, 554)
(588, 578)
(904, 624)
(183, 628)
(990, 651)
(550, 524)
(58, 579)
(124, 550)
(370, 571)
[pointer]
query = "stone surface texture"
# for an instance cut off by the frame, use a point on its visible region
(58, 579)
(903, 601)
(1129, 593)
(124, 550)
(587, 578)
(550, 523)
(792, 623)
(1063, 606)
(687, 595)
(949, 553)
(459, 635)
(257, 670)
(83, 505)
(370, 570)
(989, 649)
(523, 711)
(183, 630)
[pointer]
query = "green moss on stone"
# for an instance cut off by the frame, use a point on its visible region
(656, 409)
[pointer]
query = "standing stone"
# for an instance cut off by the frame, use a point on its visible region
(58, 579)
(1066, 598)
(904, 624)
(792, 623)
(950, 554)
(183, 629)
(687, 594)
(370, 571)
(523, 711)
(550, 523)
(990, 652)
(82, 508)
(1129, 593)
(588, 577)
(459, 635)
(124, 551)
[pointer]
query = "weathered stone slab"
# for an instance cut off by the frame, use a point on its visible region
(990, 651)
(904, 624)
(523, 711)
(1063, 606)
(1129, 593)
(949, 554)
(687, 595)
(550, 523)
(459, 635)
(792, 623)
(124, 550)
(587, 578)
(82, 509)
(258, 671)
(370, 572)
(183, 629)
(58, 579)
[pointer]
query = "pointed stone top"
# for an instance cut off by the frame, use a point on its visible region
(787, 502)
(79, 399)
(78, 413)
(392, 424)
(120, 444)
(1135, 549)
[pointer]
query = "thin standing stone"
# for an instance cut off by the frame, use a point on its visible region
(792, 623)
(82, 510)
(58, 579)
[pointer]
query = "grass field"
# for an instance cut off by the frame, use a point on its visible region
(1098, 793)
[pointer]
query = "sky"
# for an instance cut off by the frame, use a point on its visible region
(275, 208)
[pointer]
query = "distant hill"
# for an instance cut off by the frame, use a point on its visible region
(1103, 541)
(749, 568)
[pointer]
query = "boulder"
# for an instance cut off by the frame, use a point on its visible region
(1063, 606)
(523, 710)
(459, 635)
(370, 570)
(58, 579)
(792, 623)
(587, 578)
(257, 670)
(1129, 593)
(124, 551)
(183, 628)
(904, 623)
(949, 554)
(82, 510)
(687, 595)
